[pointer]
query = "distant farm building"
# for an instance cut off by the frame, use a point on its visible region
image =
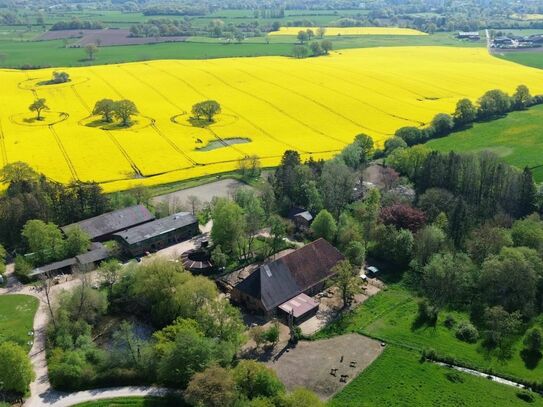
(102, 227)
(275, 285)
(469, 35)
(158, 234)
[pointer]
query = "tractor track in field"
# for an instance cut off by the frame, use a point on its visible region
(121, 149)
(197, 91)
(3, 145)
(67, 158)
(273, 106)
(322, 105)
(412, 121)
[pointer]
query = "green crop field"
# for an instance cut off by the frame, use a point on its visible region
(517, 138)
(529, 58)
(398, 378)
(390, 316)
(16, 318)
(17, 53)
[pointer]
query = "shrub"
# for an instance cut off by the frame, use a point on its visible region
(454, 377)
(526, 396)
(449, 321)
(427, 313)
(467, 332)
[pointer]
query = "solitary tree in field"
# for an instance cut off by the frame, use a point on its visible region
(124, 109)
(91, 50)
(38, 106)
(207, 109)
(321, 31)
(106, 108)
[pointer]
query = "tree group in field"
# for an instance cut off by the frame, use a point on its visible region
(122, 110)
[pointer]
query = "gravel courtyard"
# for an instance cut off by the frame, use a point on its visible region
(310, 363)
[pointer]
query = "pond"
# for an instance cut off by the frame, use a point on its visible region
(225, 142)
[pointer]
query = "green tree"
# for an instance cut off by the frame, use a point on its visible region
(528, 232)
(324, 226)
(254, 380)
(320, 32)
(124, 110)
(228, 225)
(91, 50)
(15, 369)
(302, 36)
(356, 253)
(219, 258)
(336, 186)
(38, 106)
(486, 241)
(533, 340)
(465, 113)
(77, 241)
(442, 124)
(349, 230)
(327, 46)
(393, 143)
(316, 48)
(105, 108)
(214, 387)
(428, 241)
(44, 240)
(358, 154)
(500, 326)
(302, 397)
(207, 109)
(347, 280)
(300, 51)
(411, 135)
(522, 98)
(493, 103)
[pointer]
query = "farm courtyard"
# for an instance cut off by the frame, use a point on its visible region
(269, 104)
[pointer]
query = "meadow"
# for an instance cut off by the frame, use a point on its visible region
(528, 58)
(390, 316)
(423, 384)
(16, 318)
(517, 138)
(313, 105)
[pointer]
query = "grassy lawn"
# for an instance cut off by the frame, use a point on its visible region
(16, 318)
(517, 138)
(135, 402)
(16, 53)
(398, 378)
(390, 316)
(529, 58)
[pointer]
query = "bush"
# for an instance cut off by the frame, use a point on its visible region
(427, 313)
(466, 332)
(526, 396)
(454, 377)
(22, 269)
(428, 354)
(449, 321)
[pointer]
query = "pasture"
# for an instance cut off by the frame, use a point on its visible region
(391, 316)
(398, 378)
(338, 31)
(517, 138)
(17, 318)
(313, 105)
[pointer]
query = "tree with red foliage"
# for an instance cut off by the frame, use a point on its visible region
(403, 217)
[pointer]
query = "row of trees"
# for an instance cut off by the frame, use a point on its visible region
(491, 105)
(315, 49)
(30, 195)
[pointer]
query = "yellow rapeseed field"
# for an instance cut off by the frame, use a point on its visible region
(313, 105)
(527, 17)
(334, 31)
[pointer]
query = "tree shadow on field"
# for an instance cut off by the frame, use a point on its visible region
(530, 358)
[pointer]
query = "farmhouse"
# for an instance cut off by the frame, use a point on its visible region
(275, 285)
(469, 35)
(158, 234)
(102, 227)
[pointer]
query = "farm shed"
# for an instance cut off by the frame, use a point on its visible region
(158, 234)
(303, 271)
(65, 266)
(302, 307)
(102, 227)
(91, 260)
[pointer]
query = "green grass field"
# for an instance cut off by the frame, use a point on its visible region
(529, 58)
(15, 53)
(398, 378)
(16, 318)
(390, 317)
(135, 402)
(517, 138)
